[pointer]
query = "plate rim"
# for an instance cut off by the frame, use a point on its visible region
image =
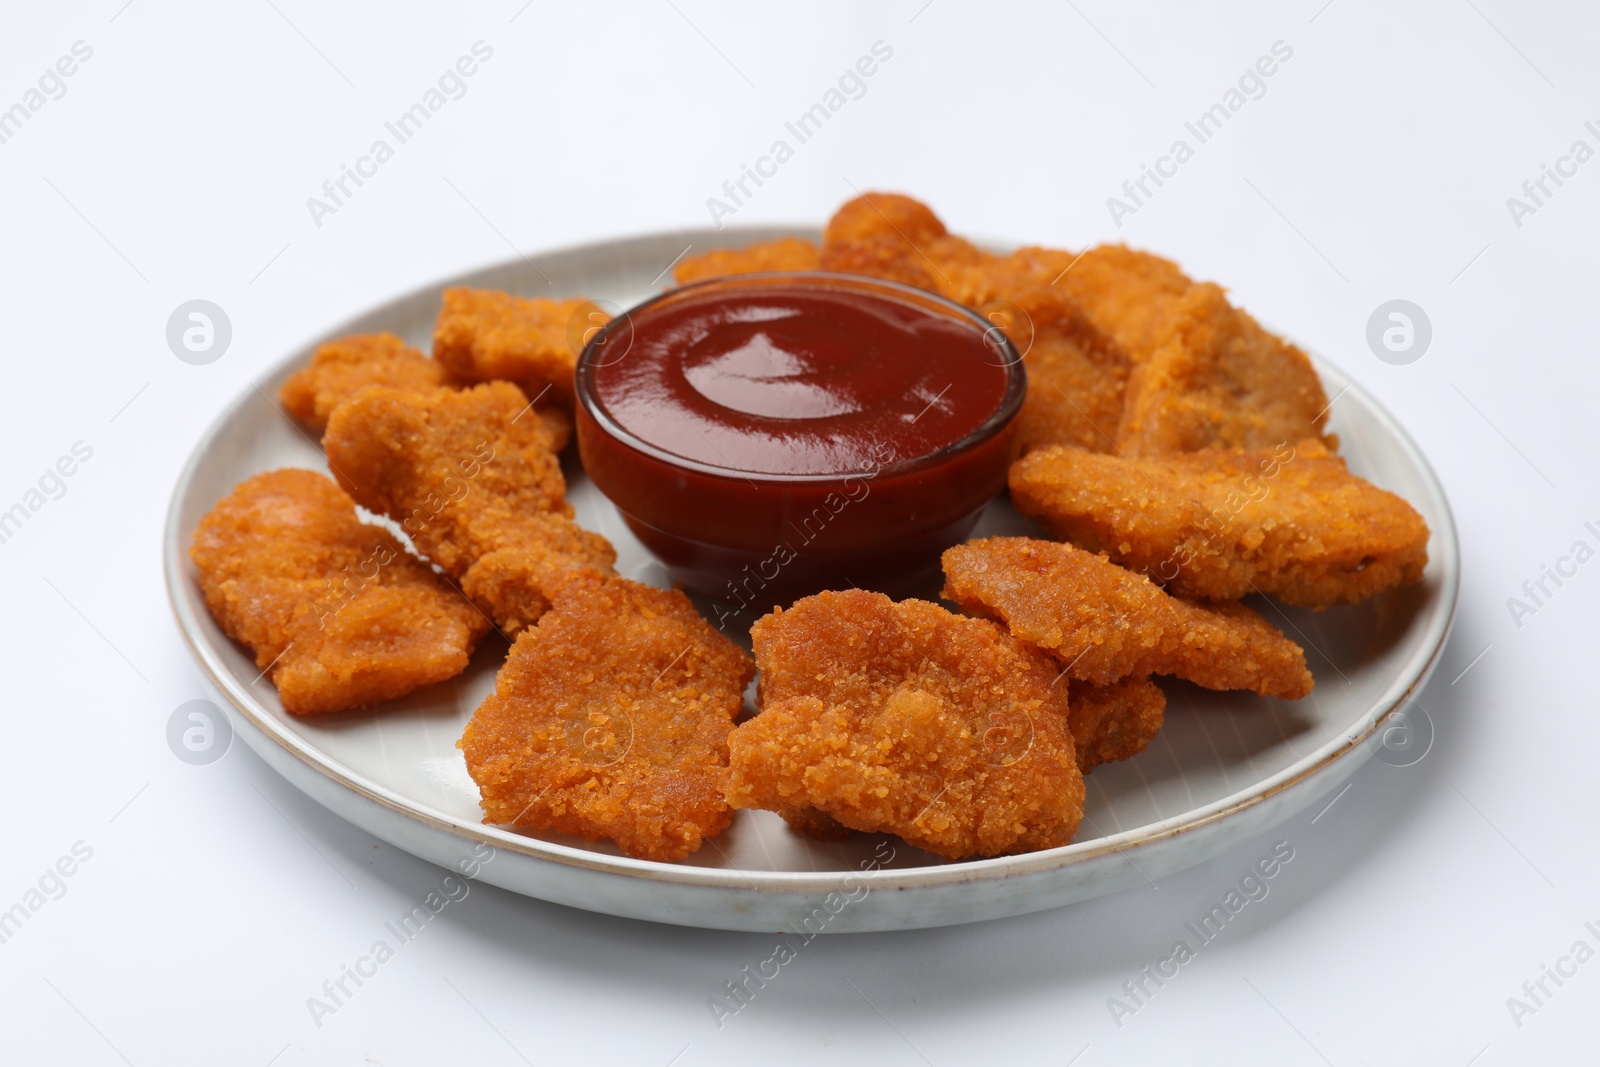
(1347, 745)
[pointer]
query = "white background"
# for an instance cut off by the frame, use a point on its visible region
(1378, 165)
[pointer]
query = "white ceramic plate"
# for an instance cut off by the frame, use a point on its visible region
(1226, 767)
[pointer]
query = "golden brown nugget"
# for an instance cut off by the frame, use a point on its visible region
(610, 719)
(895, 237)
(905, 718)
(1114, 722)
(1129, 295)
(1292, 522)
(1107, 623)
(469, 478)
(873, 215)
(556, 425)
(786, 253)
(1218, 380)
(1076, 375)
(1108, 722)
(940, 264)
(343, 366)
(483, 335)
(335, 610)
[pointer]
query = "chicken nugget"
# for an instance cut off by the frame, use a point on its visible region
(895, 237)
(1076, 375)
(1291, 522)
(909, 719)
(483, 335)
(342, 366)
(1107, 623)
(610, 719)
(1129, 295)
(886, 257)
(556, 425)
(786, 253)
(335, 610)
(1108, 723)
(1219, 380)
(872, 215)
(469, 478)
(1114, 722)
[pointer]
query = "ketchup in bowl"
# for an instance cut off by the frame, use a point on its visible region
(770, 435)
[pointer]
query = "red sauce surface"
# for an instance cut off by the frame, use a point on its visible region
(799, 381)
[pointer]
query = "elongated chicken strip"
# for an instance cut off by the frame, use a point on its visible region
(469, 478)
(610, 719)
(1292, 522)
(1107, 623)
(336, 611)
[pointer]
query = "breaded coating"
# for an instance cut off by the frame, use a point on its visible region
(816, 825)
(1129, 295)
(483, 335)
(1107, 623)
(938, 264)
(336, 611)
(1219, 380)
(610, 719)
(556, 425)
(906, 718)
(1292, 522)
(885, 257)
(1108, 723)
(886, 235)
(872, 215)
(342, 366)
(1114, 722)
(469, 478)
(1076, 375)
(786, 253)
(1030, 267)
